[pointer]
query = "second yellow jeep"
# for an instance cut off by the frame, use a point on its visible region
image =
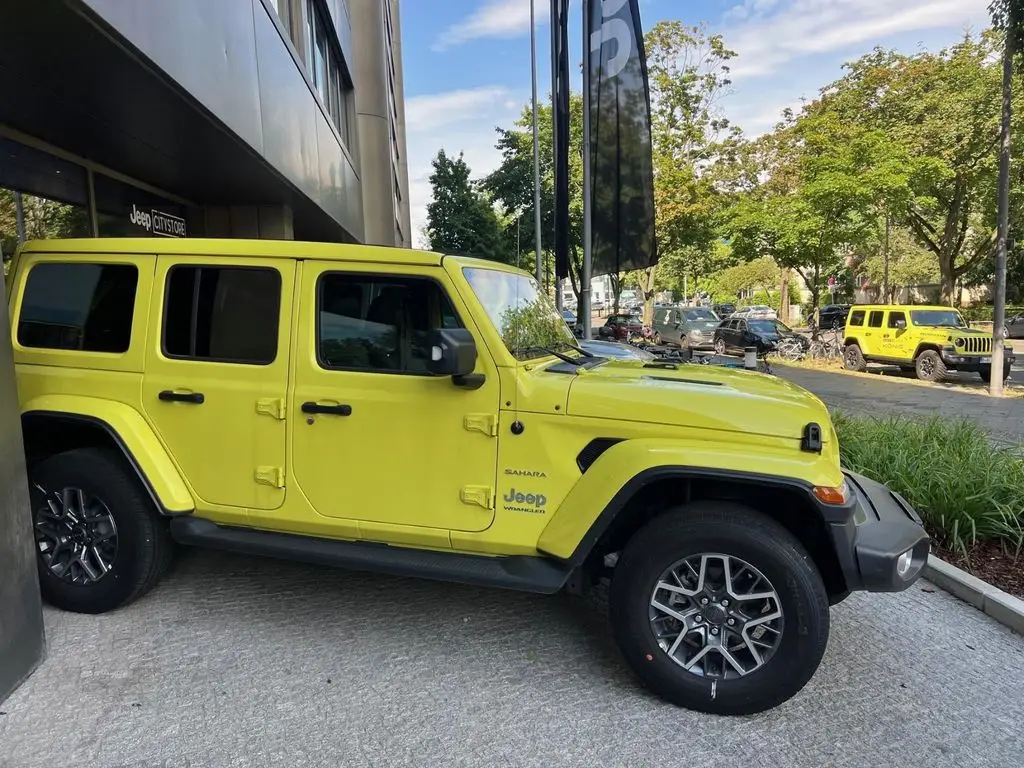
(929, 340)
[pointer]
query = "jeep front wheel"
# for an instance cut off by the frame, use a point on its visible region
(99, 542)
(853, 359)
(929, 366)
(719, 609)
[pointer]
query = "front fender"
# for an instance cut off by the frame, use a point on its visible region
(626, 467)
(131, 433)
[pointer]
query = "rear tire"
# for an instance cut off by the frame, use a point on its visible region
(707, 533)
(118, 555)
(853, 359)
(986, 373)
(720, 347)
(929, 366)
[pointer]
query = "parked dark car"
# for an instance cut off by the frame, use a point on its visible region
(723, 310)
(615, 349)
(1014, 328)
(619, 327)
(734, 335)
(833, 316)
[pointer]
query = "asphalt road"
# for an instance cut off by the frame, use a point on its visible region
(235, 661)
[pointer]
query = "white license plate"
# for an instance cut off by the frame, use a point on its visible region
(985, 360)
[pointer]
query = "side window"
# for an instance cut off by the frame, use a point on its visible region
(896, 319)
(667, 317)
(857, 317)
(83, 307)
(875, 319)
(222, 314)
(379, 323)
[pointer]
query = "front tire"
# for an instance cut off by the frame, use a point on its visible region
(986, 373)
(100, 543)
(853, 359)
(714, 575)
(720, 347)
(930, 367)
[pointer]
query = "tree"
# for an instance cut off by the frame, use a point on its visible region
(942, 109)
(461, 219)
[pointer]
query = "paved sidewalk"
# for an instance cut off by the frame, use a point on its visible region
(238, 661)
(875, 394)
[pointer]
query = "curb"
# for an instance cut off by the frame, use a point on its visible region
(1001, 606)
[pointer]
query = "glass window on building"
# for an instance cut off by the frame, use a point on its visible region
(126, 211)
(325, 69)
(283, 8)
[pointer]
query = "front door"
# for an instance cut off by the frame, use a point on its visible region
(377, 438)
(217, 374)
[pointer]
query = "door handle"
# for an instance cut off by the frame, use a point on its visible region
(334, 410)
(170, 396)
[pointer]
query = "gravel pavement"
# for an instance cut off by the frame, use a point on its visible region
(238, 661)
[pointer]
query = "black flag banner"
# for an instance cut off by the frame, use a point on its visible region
(621, 166)
(560, 125)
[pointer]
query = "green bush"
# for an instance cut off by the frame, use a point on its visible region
(966, 489)
(983, 313)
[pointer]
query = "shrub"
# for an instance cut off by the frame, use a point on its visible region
(966, 489)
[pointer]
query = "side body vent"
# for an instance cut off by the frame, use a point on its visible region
(593, 450)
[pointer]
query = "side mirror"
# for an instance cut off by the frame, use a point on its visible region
(452, 352)
(901, 325)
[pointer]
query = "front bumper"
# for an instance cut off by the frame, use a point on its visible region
(879, 539)
(973, 363)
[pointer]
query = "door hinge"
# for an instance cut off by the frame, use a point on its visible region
(481, 495)
(272, 476)
(482, 422)
(271, 406)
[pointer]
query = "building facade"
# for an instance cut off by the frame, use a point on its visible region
(234, 118)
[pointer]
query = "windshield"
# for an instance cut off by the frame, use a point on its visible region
(524, 315)
(937, 317)
(699, 314)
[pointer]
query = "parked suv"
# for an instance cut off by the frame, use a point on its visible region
(928, 340)
(424, 415)
(686, 327)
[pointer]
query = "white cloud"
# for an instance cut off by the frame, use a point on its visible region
(456, 121)
(766, 41)
(496, 18)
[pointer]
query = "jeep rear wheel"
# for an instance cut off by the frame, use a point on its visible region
(929, 366)
(100, 543)
(853, 359)
(719, 609)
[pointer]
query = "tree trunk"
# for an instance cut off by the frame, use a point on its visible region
(648, 291)
(947, 280)
(784, 297)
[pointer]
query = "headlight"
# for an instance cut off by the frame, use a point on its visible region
(959, 342)
(903, 562)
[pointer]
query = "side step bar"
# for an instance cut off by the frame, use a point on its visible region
(519, 572)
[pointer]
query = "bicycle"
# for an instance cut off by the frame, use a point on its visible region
(830, 348)
(790, 349)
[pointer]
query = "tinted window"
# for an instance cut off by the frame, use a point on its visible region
(875, 319)
(857, 318)
(377, 323)
(85, 307)
(223, 314)
(895, 318)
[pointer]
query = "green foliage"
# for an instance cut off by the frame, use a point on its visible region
(531, 325)
(966, 489)
(44, 219)
(460, 219)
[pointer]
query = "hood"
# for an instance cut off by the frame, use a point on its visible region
(697, 396)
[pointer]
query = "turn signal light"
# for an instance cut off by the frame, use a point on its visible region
(827, 495)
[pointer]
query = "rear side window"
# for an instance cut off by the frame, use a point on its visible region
(83, 307)
(222, 314)
(875, 319)
(857, 317)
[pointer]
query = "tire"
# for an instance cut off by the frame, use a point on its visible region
(929, 366)
(720, 347)
(141, 550)
(853, 359)
(657, 340)
(986, 373)
(721, 529)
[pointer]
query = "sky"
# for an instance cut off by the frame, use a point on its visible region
(467, 62)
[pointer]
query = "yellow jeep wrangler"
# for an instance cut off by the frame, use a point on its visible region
(423, 415)
(929, 340)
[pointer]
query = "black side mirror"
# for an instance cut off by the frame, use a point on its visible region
(452, 352)
(901, 325)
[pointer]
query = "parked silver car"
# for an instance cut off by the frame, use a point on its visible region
(756, 312)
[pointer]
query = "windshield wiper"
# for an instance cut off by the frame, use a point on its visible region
(560, 355)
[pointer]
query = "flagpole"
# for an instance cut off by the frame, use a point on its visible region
(536, 141)
(585, 277)
(554, 136)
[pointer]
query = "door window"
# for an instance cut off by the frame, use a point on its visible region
(222, 314)
(875, 319)
(896, 318)
(83, 307)
(857, 318)
(379, 323)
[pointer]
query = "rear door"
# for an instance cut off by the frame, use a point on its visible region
(217, 374)
(871, 338)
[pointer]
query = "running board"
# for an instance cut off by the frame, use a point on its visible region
(519, 572)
